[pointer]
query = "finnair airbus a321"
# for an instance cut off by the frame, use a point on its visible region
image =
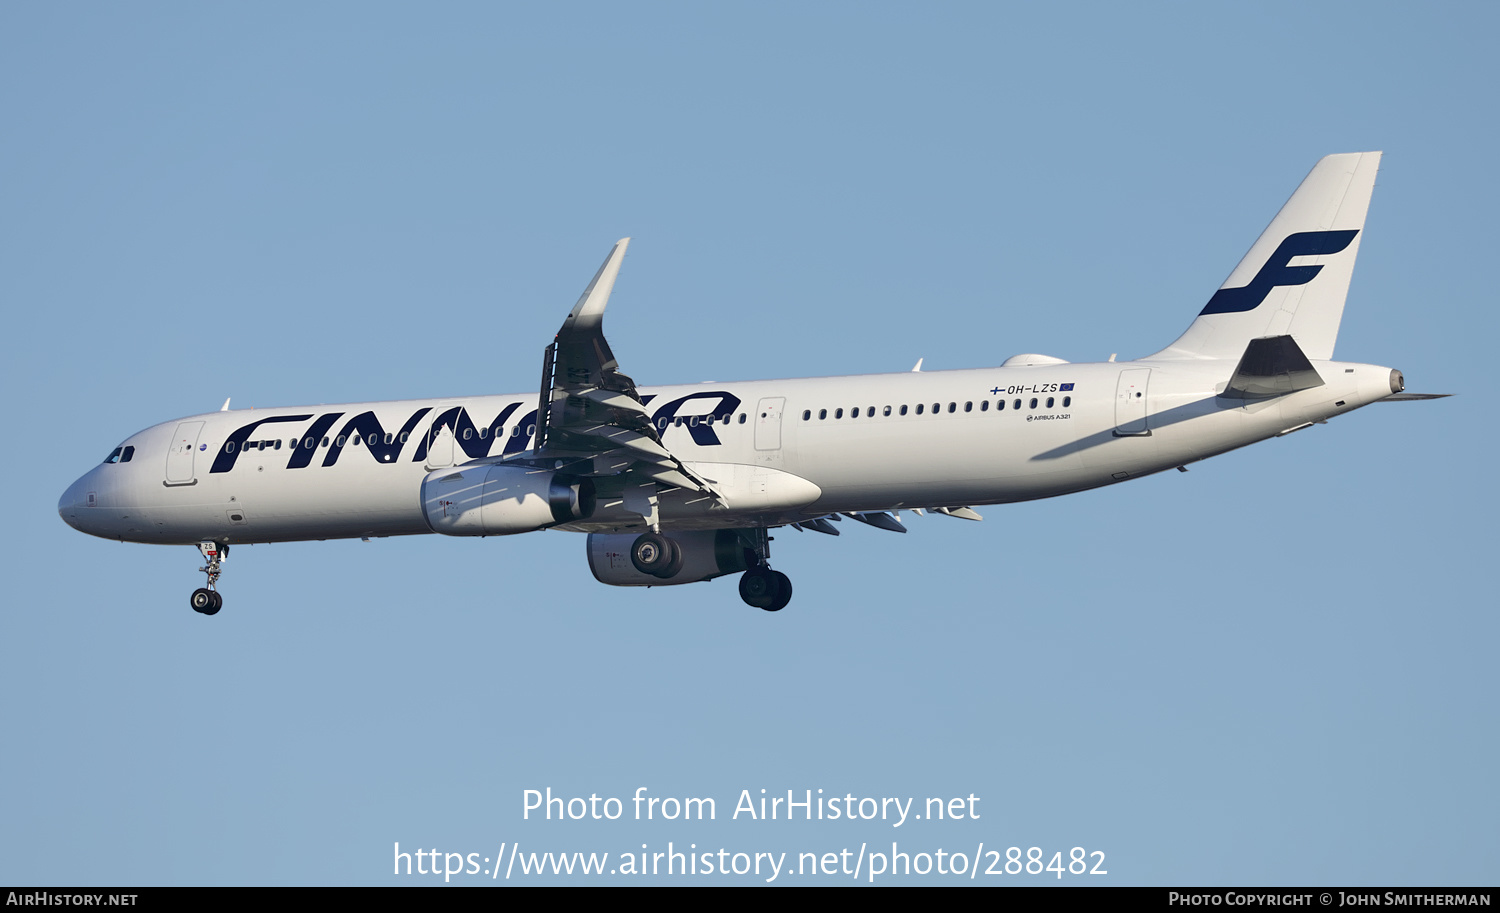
(681, 484)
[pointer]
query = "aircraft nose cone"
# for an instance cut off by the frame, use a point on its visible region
(73, 503)
(66, 504)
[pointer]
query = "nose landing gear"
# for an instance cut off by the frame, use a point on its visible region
(206, 600)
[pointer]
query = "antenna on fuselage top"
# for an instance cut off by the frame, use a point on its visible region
(225, 407)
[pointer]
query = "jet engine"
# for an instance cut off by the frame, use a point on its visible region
(499, 500)
(648, 559)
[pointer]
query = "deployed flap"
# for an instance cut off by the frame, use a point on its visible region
(879, 519)
(1271, 366)
(588, 408)
(962, 513)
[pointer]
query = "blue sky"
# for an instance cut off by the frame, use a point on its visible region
(1276, 668)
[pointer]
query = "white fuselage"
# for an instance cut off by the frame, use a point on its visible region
(781, 451)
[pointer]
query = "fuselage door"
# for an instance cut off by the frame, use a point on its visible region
(1130, 402)
(768, 423)
(440, 447)
(180, 456)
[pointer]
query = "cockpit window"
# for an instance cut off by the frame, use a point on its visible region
(114, 456)
(126, 454)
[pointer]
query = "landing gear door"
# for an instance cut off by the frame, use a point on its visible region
(180, 456)
(768, 423)
(1130, 403)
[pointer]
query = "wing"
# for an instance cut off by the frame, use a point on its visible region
(590, 411)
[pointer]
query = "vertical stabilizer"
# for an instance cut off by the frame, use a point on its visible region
(1294, 279)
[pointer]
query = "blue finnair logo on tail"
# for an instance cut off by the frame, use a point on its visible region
(1276, 272)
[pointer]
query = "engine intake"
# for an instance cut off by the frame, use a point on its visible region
(500, 500)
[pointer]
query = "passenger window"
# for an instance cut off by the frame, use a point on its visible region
(807, 415)
(886, 413)
(1049, 402)
(229, 447)
(920, 407)
(903, 408)
(984, 406)
(969, 407)
(854, 413)
(838, 413)
(1067, 401)
(341, 440)
(936, 408)
(1016, 404)
(999, 405)
(742, 418)
(952, 407)
(1033, 402)
(822, 414)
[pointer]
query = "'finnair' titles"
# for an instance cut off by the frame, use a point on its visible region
(681, 484)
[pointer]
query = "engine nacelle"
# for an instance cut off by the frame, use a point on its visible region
(706, 554)
(500, 500)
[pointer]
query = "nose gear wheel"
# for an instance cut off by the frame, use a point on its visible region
(206, 600)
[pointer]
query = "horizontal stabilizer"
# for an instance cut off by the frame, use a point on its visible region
(1411, 397)
(1272, 366)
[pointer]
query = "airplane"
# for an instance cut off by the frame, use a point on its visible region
(681, 484)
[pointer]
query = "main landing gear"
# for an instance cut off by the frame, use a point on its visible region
(759, 585)
(206, 600)
(656, 555)
(747, 550)
(765, 589)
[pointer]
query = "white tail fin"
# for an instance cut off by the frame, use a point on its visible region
(1296, 276)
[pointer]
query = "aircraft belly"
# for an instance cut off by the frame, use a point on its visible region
(265, 502)
(358, 501)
